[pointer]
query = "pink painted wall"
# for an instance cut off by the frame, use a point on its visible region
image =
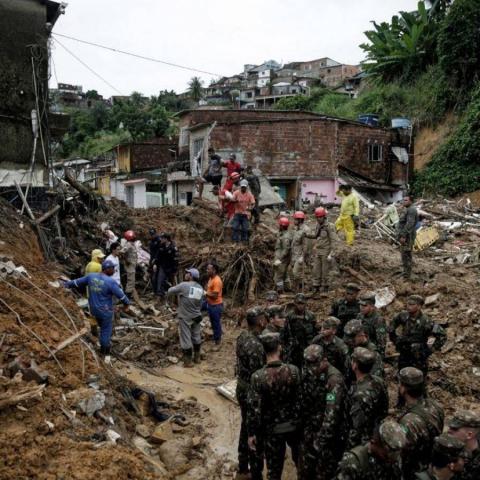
(325, 188)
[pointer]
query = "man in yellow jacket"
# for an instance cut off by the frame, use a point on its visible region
(95, 264)
(349, 213)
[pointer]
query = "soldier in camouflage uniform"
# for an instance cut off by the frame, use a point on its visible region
(412, 333)
(335, 348)
(298, 250)
(271, 297)
(367, 400)
(346, 308)
(406, 234)
(250, 358)
(323, 414)
(356, 336)
(373, 322)
(448, 459)
(276, 320)
(274, 408)
(379, 459)
(300, 328)
(422, 419)
(465, 425)
(282, 254)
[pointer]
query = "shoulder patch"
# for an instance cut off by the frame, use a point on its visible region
(331, 397)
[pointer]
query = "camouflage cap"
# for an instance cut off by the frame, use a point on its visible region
(271, 296)
(353, 327)
(273, 310)
(448, 446)
(331, 322)
(254, 312)
(270, 340)
(411, 376)
(314, 353)
(363, 356)
(465, 418)
(392, 435)
(352, 287)
(367, 299)
(415, 300)
(300, 298)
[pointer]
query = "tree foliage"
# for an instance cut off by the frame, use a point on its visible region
(195, 88)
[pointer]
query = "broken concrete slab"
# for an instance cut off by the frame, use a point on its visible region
(162, 433)
(431, 299)
(88, 400)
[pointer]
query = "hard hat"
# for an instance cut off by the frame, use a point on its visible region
(97, 253)
(244, 183)
(299, 215)
(129, 235)
(235, 176)
(320, 212)
(283, 221)
(107, 264)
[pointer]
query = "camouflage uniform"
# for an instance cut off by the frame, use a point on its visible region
(407, 229)
(274, 413)
(374, 324)
(250, 358)
(367, 402)
(298, 254)
(323, 413)
(361, 464)
(282, 254)
(130, 258)
(422, 422)
(467, 418)
(298, 333)
(344, 310)
(448, 447)
(410, 335)
(336, 350)
(325, 239)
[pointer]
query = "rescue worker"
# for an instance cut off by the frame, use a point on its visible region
(250, 358)
(415, 336)
(232, 165)
(213, 173)
(102, 288)
(422, 419)
(367, 400)
(299, 331)
(256, 189)
(325, 239)
(448, 459)
(379, 459)
(336, 349)
(153, 246)
(189, 315)
(406, 234)
(165, 264)
(323, 414)
(373, 322)
(298, 251)
(274, 408)
(465, 425)
(349, 213)
(243, 201)
(130, 258)
(214, 301)
(282, 254)
(346, 308)
(95, 264)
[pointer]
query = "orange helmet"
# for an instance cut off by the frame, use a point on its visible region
(129, 235)
(320, 212)
(235, 176)
(300, 215)
(283, 221)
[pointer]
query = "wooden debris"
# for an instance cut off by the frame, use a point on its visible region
(70, 340)
(9, 398)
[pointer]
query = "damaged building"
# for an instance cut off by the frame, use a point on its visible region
(305, 155)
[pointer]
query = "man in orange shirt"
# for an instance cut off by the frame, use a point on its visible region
(214, 302)
(244, 201)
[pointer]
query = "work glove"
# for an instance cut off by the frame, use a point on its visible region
(356, 220)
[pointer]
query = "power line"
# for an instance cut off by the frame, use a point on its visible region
(86, 66)
(143, 57)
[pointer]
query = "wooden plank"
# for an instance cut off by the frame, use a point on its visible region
(70, 340)
(48, 214)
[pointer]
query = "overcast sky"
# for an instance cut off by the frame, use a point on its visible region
(217, 36)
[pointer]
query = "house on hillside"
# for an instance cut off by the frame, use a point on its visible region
(305, 155)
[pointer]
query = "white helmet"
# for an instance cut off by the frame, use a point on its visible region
(244, 183)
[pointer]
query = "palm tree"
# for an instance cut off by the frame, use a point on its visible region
(195, 87)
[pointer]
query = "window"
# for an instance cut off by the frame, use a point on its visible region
(183, 137)
(375, 153)
(249, 95)
(197, 146)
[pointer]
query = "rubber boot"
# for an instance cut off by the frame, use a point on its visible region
(187, 358)
(107, 358)
(196, 354)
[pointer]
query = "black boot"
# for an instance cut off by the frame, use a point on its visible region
(187, 358)
(196, 353)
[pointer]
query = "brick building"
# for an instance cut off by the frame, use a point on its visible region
(306, 155)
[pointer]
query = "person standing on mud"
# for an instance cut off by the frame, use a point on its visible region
(346, 308)
(130, 258)
(166, 265)
(373, 322)
(298, 251)
(243, 201)
(349, 213)
(214, 302)
(274, 408)
(250, 358)
(282, 254)
(406, 234)
(153, 247)
(189, 314)
(256, 189)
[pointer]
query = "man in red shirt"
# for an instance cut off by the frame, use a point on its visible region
(232, 165)
(243, 202)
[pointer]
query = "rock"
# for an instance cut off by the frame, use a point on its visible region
(142, 430)
(171, 454)
(432, 299)
(113, 436)
(196, 441)
(88, 400)
(194, 474)
(177, 428)
(143, 403)
(162, 433)
(172, 359)
(35, 373)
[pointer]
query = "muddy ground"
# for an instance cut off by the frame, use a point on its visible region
(48, 436)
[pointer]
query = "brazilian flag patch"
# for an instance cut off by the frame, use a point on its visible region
(331, 397)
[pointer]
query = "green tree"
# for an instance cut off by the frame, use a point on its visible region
(92, 95)
(195, 88)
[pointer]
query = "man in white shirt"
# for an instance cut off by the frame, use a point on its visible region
(113, 257)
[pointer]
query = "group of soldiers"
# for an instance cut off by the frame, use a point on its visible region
(317, 385)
